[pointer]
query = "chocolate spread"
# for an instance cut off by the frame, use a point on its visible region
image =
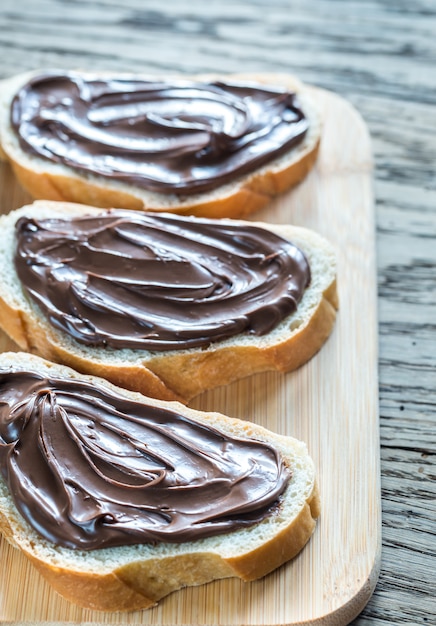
(89, 468)
(128, 279)
(178, 137)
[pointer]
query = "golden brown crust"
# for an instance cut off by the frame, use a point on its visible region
(13, 323)
(31, 337)
(135, 377)
(190, 373)
(158, 577)
(92, 591)
(290, 355)
(282, 548)
(183, 376)
(250, 197)
(141, 584)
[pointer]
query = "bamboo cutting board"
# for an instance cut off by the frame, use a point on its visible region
(331, 403)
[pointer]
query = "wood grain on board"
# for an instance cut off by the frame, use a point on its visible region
(331, 403)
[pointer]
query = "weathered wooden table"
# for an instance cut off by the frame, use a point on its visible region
(381, 57)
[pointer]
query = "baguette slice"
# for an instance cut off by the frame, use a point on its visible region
(239, 198)
(174, 374)
(133, 577)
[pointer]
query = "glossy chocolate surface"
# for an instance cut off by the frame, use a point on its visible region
(89, 468)
(178, 137)
(128, 279)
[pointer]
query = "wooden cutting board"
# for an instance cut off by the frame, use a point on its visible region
(331, 403)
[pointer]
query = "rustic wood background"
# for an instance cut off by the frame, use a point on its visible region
(381, 56)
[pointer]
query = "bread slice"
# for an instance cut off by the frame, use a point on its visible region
(175, 374)
(137, 576)
(240, 197)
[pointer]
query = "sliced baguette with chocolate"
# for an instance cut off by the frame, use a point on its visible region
(216, 146)
(162, 304)
(119, 499)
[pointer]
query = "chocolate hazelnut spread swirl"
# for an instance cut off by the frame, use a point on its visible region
(89, 468)
(178, 137)
(127, 279)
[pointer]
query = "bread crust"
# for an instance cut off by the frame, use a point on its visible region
(119, 579)
(244, 196)
(177, 374)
